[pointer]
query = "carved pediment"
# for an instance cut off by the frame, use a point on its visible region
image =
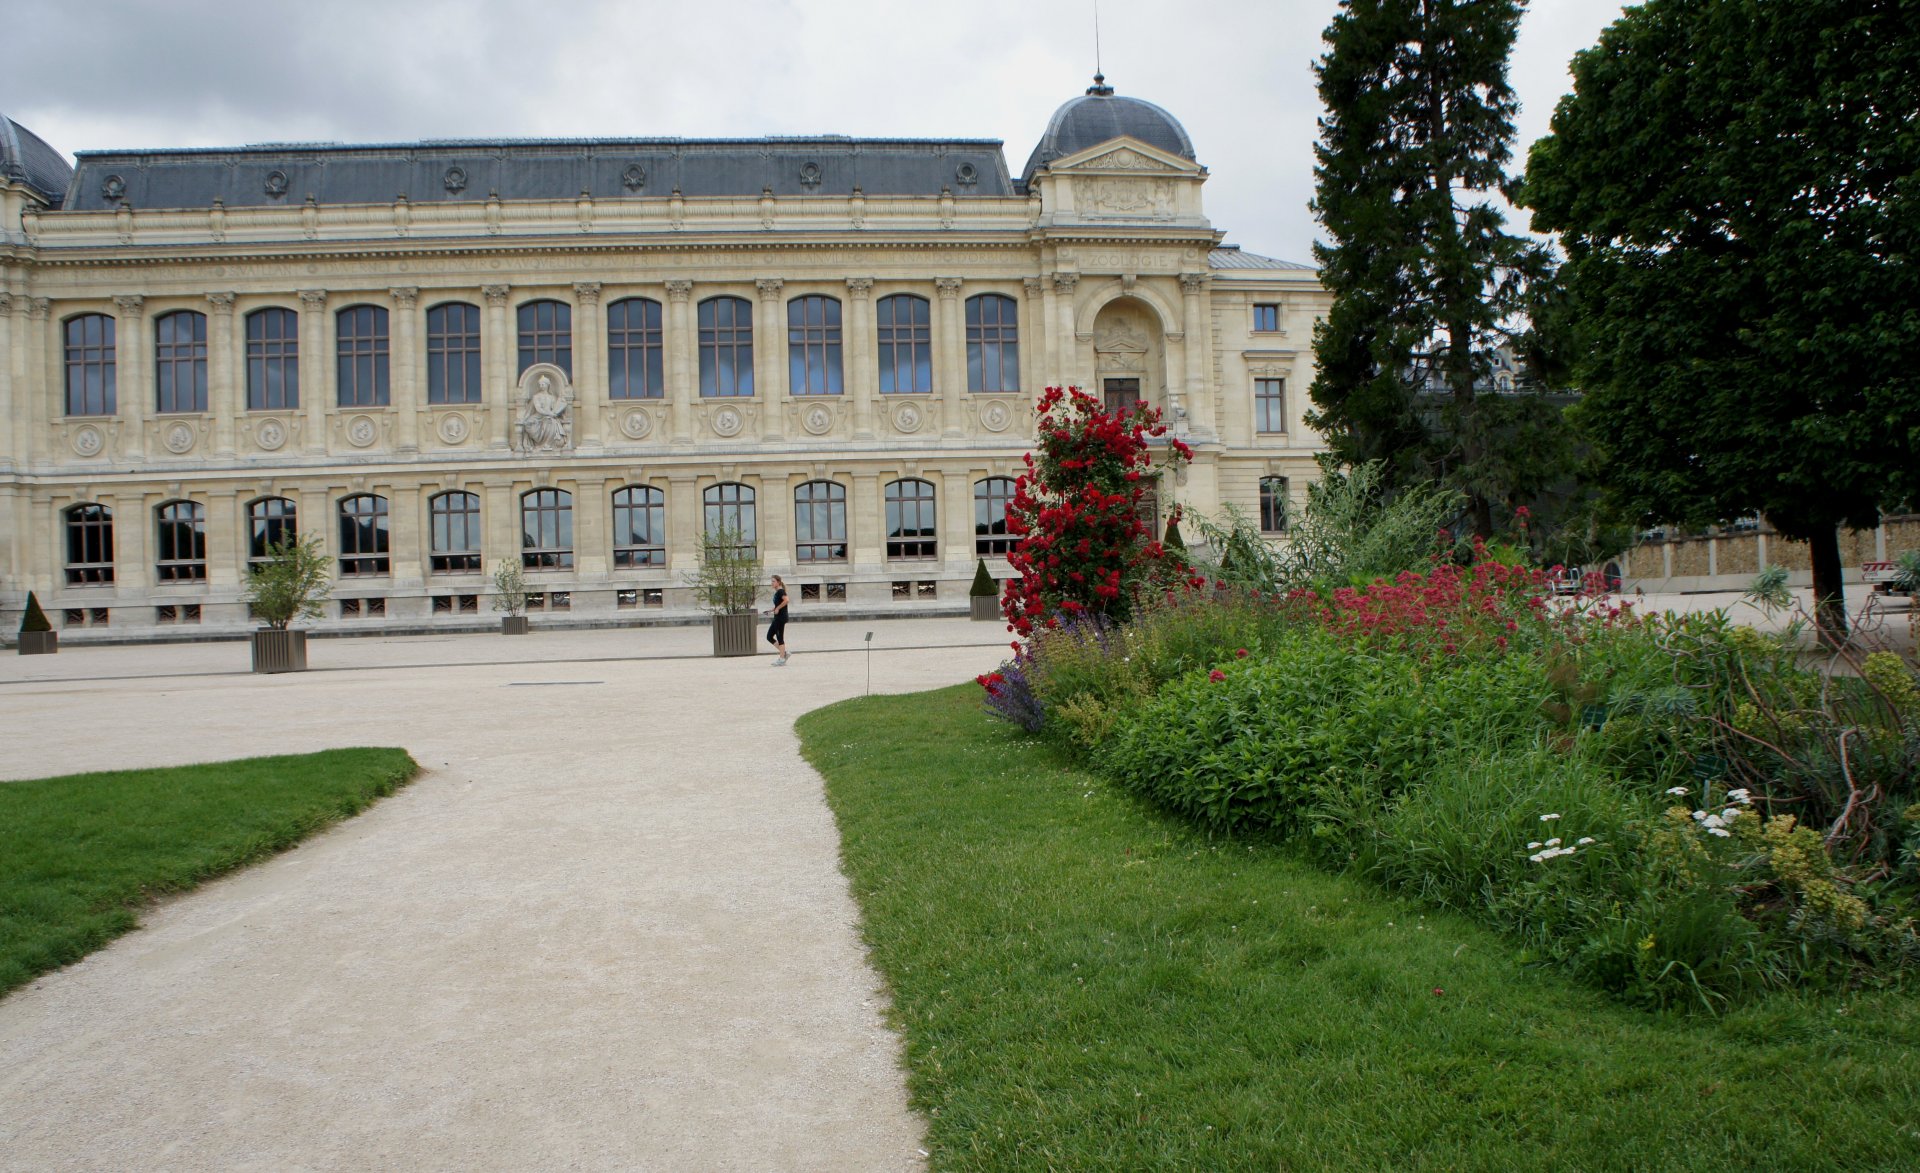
(1128, 155)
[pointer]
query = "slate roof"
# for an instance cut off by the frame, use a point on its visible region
(1100, 115)
(466, 170)
(1232, 256)
(26, 158)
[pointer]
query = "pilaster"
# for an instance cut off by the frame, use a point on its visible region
(223, 374)
(496, 355)
(866, 522)
(10, 418)
(685, 523)
(680, 341)
(316, 389)
(950, 355)
(770, 356)
(956, 518)
(1198, 344)
(135, 397)
(42, 367)
(860, 354)
(408, 536)
(1066, 347)
(589, 364)
(408, 366)
(1033, 336)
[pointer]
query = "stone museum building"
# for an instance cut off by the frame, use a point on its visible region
(580, 354)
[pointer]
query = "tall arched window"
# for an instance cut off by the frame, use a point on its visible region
(273, 359)
(363, 535)
(820, 522)
(90, 364)
(546, 335)
(454, 545)
(636, 363)
(639, 527)
(270, 521)
(726, 347)
(993, 343)
(813, 346)
(89, 545)
(180, 531)
(453, 353)
(180, 361)
(990, 500)
(1273, 505)
(910, 521)
(730, 506)
(362, 352)
(904, 330)
(546, 529)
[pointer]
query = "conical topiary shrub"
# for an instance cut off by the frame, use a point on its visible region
(37, 636)
(983, 583)
(983, 597)
(35, 619)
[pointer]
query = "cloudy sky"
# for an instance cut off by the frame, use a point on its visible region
(117, 74)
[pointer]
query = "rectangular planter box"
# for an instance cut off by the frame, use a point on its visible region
(513, 625)
(733, 634)
(985, 608)
(279, 651)
(39, 643)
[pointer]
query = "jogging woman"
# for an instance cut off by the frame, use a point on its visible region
(777, 630)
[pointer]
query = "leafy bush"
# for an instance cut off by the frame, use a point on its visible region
(728, 577)
(292, 582)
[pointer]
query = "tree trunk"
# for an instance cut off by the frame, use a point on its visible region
(1829, 594)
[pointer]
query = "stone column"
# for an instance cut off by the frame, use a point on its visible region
(226, 551)
(866, 523)
(407, 364)
(407, 538)
(9, 356)
(1049, 339)
(950, 356)
(592, 551)
(770, 357)
(682, 377)
(1197, 397)
(500, 530)
(48, 402)
(774, 495)
(134, 398)
(133, 551)
(316, 389)
(685, 523)
(1068, 369)
(496, 356)
(224, 366)
(1033, 338)
(956, 519)
(589, 364)
(860, 352)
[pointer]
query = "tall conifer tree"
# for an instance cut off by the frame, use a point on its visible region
(1427, 283)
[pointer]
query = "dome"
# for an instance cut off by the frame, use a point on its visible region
(1101, 115)
(26, 159)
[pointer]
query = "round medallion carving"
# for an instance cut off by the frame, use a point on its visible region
(113, 187)
(271, 434)
(361, 431)
(455, 180)
(453, 428)
(995, 417)
(179, 439)
(636, 425)
(88, 441)
(276, 185)
(907, 417)
(817, 420)
(728, 422)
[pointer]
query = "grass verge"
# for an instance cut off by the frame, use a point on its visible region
(80, 855)
(1082, 984)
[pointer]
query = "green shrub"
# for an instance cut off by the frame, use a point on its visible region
(35, 619)
(983, 584)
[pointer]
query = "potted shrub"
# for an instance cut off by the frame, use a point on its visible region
(37, 636)
(290, 583)
(510, 596)
(725, 586)
(984, 596)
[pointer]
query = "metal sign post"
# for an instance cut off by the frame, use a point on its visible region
(869, 643)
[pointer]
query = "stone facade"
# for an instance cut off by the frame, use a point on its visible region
(1112, 279)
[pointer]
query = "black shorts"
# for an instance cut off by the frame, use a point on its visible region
(777, 630)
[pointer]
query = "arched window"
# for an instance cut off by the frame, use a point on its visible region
(363, 535)
(820, 522)
(546, 335)
(639, 527)
(635, 358)
(813, 346)
(180, 528)
(993, 343)
(990, 500)
(270, 521)
(1273, 505)
(910, 522)
(180, 361)
(726, 347)
(362, 350)
(454, 546)
(273, 359)
(453, 353)
(89, 545)
(546, 529)
(90, 365)
(905, 333)
(729, 506)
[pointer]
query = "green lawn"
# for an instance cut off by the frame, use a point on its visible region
(80, 855)
(1083, 984)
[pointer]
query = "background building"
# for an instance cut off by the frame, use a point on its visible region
(579, 353)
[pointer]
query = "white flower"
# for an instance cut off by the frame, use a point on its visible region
(1743, 797)
(1548, 818)
(1536, 844)
(1676, 790)
(1730, 814)
(1584, 840)
(1553, 843)
(1720, 831)
(1699, 816)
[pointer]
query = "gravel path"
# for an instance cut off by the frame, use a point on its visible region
(605, 929)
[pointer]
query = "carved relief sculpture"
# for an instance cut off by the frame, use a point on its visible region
(546, 421)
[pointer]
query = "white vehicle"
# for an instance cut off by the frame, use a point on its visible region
(1882, 577)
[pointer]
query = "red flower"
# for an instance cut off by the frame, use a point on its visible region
(1216, 676)
(1240, 653)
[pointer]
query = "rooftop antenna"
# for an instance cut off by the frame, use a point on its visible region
(1099, 88)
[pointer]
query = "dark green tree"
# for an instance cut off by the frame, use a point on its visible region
(1427, 283)
(1734, 183)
